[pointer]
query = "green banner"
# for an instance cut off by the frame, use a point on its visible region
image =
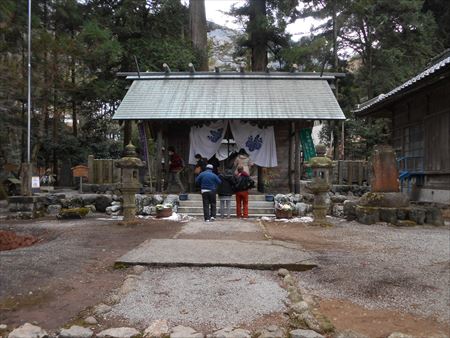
(308, 147)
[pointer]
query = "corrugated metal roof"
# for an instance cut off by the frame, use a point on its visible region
(382, 97)
(231, 98)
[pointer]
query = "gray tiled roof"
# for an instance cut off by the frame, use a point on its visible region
(229, 98)
(403, 87)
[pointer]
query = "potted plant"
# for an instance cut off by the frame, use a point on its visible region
(283, 210)
(163, 210)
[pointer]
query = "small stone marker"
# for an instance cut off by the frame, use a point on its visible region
(120, 332)
(272, 331)
(76, 331)
(399, 335)
(91, 320)
(230, 332)
(157, 329)
(185, 332)
(101, 309)
(28, 330)
(305, 334)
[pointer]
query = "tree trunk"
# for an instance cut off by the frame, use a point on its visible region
(127, 132)
(335, 52)
(258, 39)
(197, 23)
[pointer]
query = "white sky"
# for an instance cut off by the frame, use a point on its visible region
(215, 9)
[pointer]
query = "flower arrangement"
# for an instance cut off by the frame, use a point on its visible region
(285, 206)
(163, 210)
(160, 207)
(284, 210)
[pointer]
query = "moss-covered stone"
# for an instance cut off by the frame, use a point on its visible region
(73, 213)
(417, 215)
(384, 200)
(367, 215)
(405, 223)
(402, 213)
(434, 216)
(325, 324)
(388, 215)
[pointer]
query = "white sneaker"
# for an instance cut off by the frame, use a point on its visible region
(207, 220)
(213, 219)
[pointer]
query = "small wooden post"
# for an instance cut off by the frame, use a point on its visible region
(360, 173)
(297, 158)
(340, 171)
(91, 169)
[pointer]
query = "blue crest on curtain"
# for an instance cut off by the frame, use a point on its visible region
(255, 143)
(216, 135)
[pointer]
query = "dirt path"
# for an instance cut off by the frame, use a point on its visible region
(71, 267)
(376, 279)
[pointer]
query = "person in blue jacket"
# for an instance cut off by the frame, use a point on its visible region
(208, 182)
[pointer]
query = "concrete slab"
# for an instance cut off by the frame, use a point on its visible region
(226, 225)
(265, 255)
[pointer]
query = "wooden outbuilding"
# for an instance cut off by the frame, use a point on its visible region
(420, 113)
(169, 105)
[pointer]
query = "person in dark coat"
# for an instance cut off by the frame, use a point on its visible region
(225, 192)
(201, 164)
(176, 165)
(215, 163)
(208, 182)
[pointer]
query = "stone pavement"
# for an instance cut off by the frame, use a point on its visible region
(232, 252)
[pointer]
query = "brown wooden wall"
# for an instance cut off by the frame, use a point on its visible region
(425, 114)
(278, 178)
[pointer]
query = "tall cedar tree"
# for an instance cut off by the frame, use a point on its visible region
(198, 30)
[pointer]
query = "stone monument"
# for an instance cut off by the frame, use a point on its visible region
(384, 199)
(130, 165)
(320, 184)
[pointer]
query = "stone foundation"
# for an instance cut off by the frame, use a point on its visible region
(26, 207)
(410, 216)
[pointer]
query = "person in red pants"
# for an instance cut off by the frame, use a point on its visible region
(242, 186)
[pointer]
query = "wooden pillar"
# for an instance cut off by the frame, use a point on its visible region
(149, 157)
(158, 157)
(166, 157)
(297, 158)
(291, 148)
(261, 187)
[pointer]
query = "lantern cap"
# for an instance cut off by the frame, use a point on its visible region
(130, 150)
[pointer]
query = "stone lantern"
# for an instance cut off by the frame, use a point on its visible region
(320, 184)
(130, 165)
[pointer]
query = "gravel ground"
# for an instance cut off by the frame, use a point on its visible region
(202, 297)
(380, 266)
(69, 269)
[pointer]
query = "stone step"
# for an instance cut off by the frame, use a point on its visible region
(257, 204)
(251, 197)
(233, 215)
(266, 255)
(199, 209)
